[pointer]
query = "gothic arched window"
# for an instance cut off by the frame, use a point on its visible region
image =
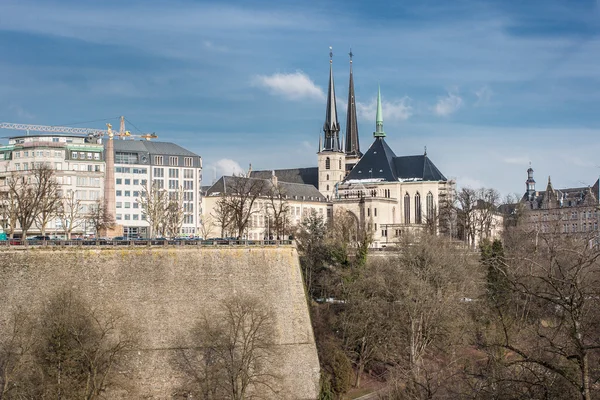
(418, 214)
(327, 163)
(327, 176)
(340, 163)
(430, 206)
(407, 208)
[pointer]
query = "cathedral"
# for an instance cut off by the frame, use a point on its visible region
(387, 195)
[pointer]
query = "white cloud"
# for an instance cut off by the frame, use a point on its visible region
(226, 166)
(448, 104)
(394, 110)
(484, 95)
(294, 86)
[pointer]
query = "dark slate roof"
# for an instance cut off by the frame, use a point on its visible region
(568, 197)
(293, 190)
(307, 176)
(380, 163)
(420, 167)
(152, 147)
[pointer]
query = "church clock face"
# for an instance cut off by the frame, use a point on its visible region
(144, 159)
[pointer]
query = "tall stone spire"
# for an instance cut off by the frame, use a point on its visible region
(379, 118)
(352, 147)
(331, 126)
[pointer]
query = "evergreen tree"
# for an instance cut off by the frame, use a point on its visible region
(492, 257)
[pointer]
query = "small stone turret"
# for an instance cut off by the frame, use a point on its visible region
(530, 184)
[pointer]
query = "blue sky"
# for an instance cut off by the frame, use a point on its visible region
(487, 86)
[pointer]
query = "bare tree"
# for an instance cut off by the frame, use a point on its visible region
(9, 211)
(80, 348)
(154, 201)
(314, 252)
(344, 232)
(206, 226)
(230, 355)
(17, 371)
(50, 202)
(403, 311)
(466, 200)
(223, 215)
(549, 328)
(485, 216)
(278, 210)
(173, 215)
(69, 213)
(100, 217)
(242, 194)
(29, 192)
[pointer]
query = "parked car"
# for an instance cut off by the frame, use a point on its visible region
(120, 238)
(40, 237)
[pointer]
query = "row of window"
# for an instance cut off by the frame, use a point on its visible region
(263, 220)
(566, 228)
(129, 170)
(39, 153)
(82, 155)
(174, 161)
(187, 219)
(589, 214)
(128, 217)
(173, 173)
(127, 181)
(126, 158)
(173, 184)
(127, 204)
(88, 181)
(127, 193)
(88, 195)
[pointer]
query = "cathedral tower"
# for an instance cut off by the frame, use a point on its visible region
(332, 162)
(352, 146)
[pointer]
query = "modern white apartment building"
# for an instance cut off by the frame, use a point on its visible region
(77, 160)
(140, 163)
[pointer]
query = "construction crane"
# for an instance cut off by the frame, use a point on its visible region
(122, 133)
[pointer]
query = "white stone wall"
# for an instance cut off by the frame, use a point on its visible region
(329, 177)
(258, 228)
(381, 207)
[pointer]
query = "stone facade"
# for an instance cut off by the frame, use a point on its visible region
(163, 292)
(299, 199)
(572, 211)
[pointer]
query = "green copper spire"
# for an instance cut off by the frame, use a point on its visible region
(379, 118)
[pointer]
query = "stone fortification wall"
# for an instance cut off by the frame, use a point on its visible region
(164, 292)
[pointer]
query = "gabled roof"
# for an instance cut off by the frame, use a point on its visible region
(376, 163)
(381, 164)
(551, 198)
(417, 167)
(152, 147)
(307, 176)
(294, 191)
